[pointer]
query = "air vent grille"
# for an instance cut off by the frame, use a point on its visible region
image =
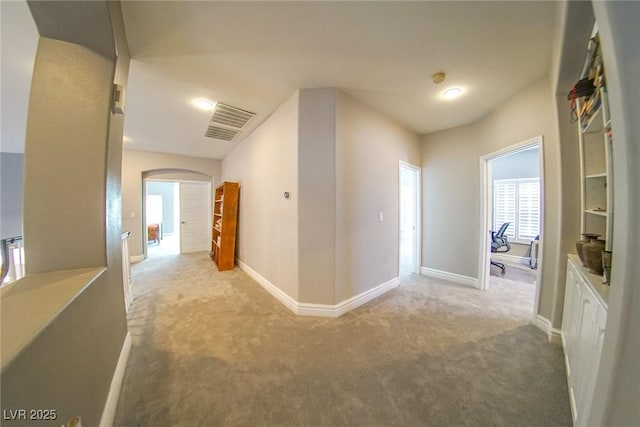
(221, 133)
(231, 116)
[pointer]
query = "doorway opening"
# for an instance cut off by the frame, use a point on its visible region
(177, 217)
(162, 218)
(512, 200)
(409, 224)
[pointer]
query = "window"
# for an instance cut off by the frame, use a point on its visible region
(517, 201)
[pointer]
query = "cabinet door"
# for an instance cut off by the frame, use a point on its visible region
(576, 312)
(594, 350)
(568, 313)
(585, 356)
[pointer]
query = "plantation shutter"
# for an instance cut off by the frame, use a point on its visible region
(504, 206)
(528, 210)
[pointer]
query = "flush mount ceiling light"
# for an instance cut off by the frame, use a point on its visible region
(452, 93)
(204, 104)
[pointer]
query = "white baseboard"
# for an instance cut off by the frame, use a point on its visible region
(278, 294)
(452, 277)
(337, 310)
(319, 310)
(109, 411)
(554, 335)
(136, 258)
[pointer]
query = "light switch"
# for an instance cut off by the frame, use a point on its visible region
(380, 217)
(133, 214)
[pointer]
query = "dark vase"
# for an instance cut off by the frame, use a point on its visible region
(580, 243)
(592, 253)
(606, 266)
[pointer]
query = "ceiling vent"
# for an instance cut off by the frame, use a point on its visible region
(227, 115)
(227, 122)
(218, 132)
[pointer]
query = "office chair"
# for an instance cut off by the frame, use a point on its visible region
(499, 241)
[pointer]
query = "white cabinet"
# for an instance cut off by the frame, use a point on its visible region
(583, 327)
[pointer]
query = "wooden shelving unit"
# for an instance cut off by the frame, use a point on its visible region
(225, 220)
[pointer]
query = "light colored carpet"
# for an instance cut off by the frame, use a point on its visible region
(517, 272)
(213, 348)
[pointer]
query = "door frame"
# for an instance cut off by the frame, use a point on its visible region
(145, 243)
(418, 231)
(486, 191)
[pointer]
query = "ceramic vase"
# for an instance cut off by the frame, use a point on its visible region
(592, 254)
(580, 243)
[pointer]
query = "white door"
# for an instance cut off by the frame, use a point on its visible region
(195, 203)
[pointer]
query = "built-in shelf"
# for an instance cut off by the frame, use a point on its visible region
(595, 212)
(597, 175)
(596, 167)
(219, 200)
(217, 214)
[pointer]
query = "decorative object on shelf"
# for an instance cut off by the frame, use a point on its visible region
(592, 254)
(606, 266)
(580, 243)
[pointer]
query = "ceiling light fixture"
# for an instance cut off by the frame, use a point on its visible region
(452, 93)
(204, 104)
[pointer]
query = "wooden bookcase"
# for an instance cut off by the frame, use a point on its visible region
(225, 219)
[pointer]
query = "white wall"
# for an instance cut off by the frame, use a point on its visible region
(451, 188)
(340, 162)
(136, 164)
(65, 158)
(19, 41)
(11, 171)
(316, 195)
(266, 165)
(369, 146)
(523, 164)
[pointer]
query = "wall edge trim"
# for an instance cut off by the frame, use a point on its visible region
(337, 310)
(319, 310)
(111, 404)
(272, 289)
(554, 335)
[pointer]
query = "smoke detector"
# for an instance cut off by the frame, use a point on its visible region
(438, 78)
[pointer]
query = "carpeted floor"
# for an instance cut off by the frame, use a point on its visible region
(517, 272)
(213, 348)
